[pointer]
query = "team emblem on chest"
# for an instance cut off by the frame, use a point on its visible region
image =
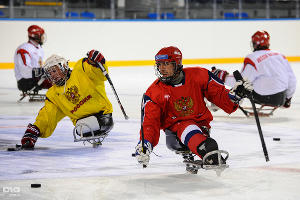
(72, 94)
(184, 106)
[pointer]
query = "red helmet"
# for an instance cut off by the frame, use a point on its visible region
(260, 40)
(169, 54)
(172, 55)
(36, 33)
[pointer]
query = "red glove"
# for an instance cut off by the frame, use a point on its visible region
(287, 102)
(96, 57)
(30, 137)
(221, 74)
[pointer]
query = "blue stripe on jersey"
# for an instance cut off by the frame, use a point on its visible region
(215, 78)
(189, 135)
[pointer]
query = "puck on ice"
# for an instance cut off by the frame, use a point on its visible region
(36, 185)
(276, 139)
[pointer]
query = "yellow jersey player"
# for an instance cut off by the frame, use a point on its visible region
(79, 94)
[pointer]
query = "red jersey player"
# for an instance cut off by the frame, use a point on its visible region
(175, 103)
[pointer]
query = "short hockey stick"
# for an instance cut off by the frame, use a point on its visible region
(237, 75)
(244, 111)
(142, 130)
(99, 65)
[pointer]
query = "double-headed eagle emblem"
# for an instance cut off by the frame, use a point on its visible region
(72, 94)
(184, 106)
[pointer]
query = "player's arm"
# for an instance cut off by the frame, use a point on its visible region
(23, 61)
(151, 121)
(249, 70)
(292, 83)
(215, 92)
(150, 126)
(48, 118)
(44, 125)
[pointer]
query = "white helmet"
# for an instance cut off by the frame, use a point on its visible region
(56, 69)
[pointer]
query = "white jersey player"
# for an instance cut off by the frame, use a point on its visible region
(28, 60)
(269, 71)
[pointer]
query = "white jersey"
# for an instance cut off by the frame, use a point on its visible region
(27, 56)
(269, 72)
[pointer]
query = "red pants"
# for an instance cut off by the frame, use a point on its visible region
(190, 134)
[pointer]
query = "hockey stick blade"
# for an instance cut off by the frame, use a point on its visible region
(18, 147)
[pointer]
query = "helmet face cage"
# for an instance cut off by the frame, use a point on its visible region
(260, 40)
(56, 70)
(161, 77)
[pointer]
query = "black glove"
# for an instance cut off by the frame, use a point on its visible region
(221, 74)
(95, 57)
(240, 90)
(30, 137)
(287, 102)
(37, 72)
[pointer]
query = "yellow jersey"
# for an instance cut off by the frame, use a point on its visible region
(82, 95)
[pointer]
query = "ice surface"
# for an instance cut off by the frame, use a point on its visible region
(69, 170)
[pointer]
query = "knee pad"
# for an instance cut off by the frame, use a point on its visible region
(206, 146)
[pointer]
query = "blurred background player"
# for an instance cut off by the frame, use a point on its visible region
(175, 103)
(28, 61)
(269, 71)
(79, 94)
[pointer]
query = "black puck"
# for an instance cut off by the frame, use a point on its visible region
(276, 139)
(36, 185)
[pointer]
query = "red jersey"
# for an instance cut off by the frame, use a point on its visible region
(166, 105)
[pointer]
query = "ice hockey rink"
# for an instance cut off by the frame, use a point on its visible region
(68, 170)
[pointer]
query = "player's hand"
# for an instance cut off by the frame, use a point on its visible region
(30, 137)
(142, 154)
(37, 72)
(95, 57)
(221, 74)
(287, 102)
(240, 90)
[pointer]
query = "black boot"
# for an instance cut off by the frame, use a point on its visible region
(207, 146)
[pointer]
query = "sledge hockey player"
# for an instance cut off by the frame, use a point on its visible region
(269, 71)
(28, 60)
(175, 103)
(79, 94)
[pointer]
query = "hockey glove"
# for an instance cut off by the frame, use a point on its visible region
(221, 74)
(30, 137)
(287, 102)
(94, 57)
(143, 158)
(240, 90)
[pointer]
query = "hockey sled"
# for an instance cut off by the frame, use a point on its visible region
(192, 166)
(95, 140)
(262, 110)
(34, 96)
